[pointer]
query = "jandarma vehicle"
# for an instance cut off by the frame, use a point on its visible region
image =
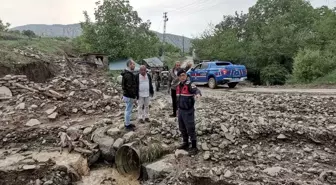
(216, 73)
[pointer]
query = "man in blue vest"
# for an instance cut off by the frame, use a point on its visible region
(186, 93)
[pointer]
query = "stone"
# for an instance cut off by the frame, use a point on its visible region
(159, 168)
(273, 171)
(224, 129)
(50, 111)
(21, 106)
(72, 93)
(33, 122)
(49, 182)
(282, 136)
(180, 153)
(206, 155)
(117, 144)
(38, 182)
(97, 91)
(33, 106)
(205, 146)
(5, 92)
(224, 144)
(105, 144)
(29, 167)
(229, 137)
(113, 131)
(53, 116)
(128, 136)
(87, 131)
(74, 132)
(107, 108)
(228, 174)
(106, 97)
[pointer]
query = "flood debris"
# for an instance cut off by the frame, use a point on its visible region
(53, 131)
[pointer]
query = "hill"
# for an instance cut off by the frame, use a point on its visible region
(74, 30)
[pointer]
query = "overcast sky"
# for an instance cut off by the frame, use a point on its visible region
(188, 17)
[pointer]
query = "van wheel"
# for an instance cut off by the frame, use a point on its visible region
(212, 83)
(232, 85)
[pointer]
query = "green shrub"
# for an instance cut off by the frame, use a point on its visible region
(312, 64)
(274, 74)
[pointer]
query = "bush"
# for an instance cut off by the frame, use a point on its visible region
(274, 74)
(11, 36)
(329, 79)
(312, 64)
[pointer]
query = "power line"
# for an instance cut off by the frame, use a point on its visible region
(190, 5)
(200, 10)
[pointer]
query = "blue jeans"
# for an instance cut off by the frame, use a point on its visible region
(128, 111)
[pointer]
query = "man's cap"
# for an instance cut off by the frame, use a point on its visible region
(181, 71)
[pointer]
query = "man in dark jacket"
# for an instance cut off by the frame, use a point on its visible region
(145, 91)
(173, 81)
(129, 86)
(186, 93)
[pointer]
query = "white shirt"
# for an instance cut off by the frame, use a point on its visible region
(143, 86)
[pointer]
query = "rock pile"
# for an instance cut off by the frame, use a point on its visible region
(62, 96)
(244, 138)
(9, 81)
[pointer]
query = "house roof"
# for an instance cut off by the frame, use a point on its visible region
(97, 54)
(153, 62)
(121, 65)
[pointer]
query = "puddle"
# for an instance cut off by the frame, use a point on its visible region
(106, 176)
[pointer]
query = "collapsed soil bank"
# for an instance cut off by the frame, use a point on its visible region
(38, 71)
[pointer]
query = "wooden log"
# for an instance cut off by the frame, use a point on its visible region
(54, 95)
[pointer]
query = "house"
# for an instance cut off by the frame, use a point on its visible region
(97, 59)
(152, 62)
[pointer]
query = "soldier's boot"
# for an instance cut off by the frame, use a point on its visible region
(184, 145)
(194, 149)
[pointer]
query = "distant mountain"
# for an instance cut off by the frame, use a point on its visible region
(74, 30)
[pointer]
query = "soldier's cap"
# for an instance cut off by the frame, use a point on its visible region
(181, 71)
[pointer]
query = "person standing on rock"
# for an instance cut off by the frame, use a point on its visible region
(129, 86)
(189, 66)
(145, 91)
(173, 81)
(186, 93)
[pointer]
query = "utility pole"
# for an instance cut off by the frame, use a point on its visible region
(165, 19)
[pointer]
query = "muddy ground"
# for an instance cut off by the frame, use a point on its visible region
(68, 128)
(244, 138)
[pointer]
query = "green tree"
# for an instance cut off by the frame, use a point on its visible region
(267, 37)
(29, 33)
(312, 64)
(4, 26)
(118, 31)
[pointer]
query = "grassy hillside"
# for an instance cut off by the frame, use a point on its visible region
(74, 30)
(48, 46)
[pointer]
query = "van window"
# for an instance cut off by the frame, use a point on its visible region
(204, 65)
(223, 63)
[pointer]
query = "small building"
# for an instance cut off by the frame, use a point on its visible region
(97, 59)
(121, 64)
(152, 63)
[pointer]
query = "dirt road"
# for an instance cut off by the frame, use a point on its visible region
(270, 90)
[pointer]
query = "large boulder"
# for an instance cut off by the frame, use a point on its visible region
(105, 143)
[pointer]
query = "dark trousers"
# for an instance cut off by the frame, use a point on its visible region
(174, 100)
(186, 119)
